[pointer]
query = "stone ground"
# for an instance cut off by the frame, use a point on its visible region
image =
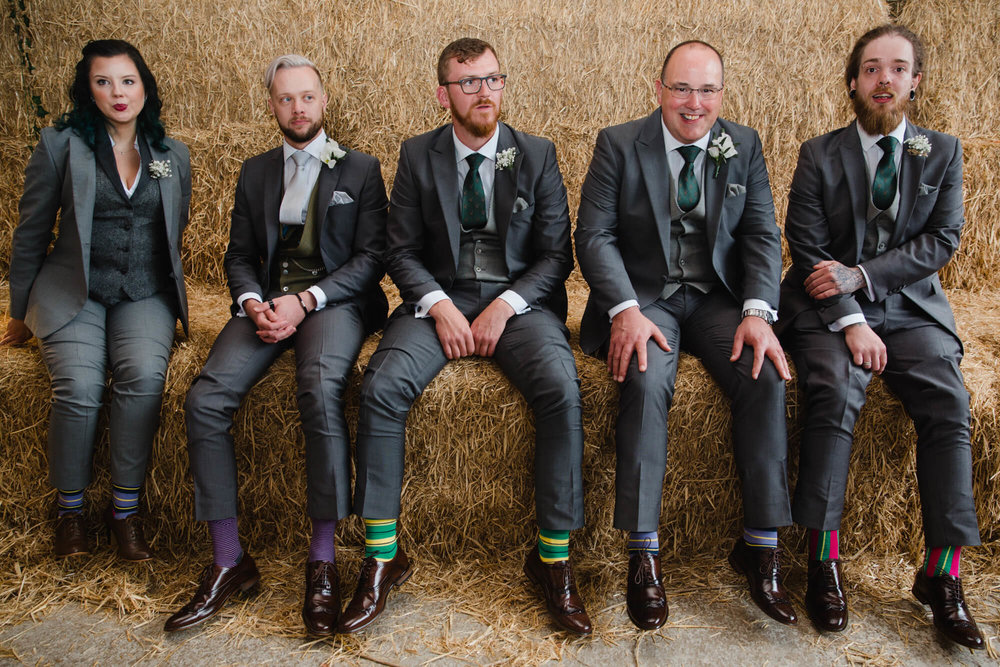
(700, 631)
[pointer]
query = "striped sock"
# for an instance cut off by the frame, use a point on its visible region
(380, 539)
(321, 546)
(639, 541)
(760, 538)
(124, 500)
(226, 548)
(824, 544)
(942, 560)
(553, 545)
(69, 502)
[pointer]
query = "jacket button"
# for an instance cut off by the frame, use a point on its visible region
(284, 289)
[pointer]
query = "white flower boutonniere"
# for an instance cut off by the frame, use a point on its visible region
(720, 149)
(159, 169)
(332, 153)
(505, 158)
(919, 145)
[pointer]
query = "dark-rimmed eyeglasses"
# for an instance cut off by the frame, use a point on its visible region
(684, 92)
(473, 84)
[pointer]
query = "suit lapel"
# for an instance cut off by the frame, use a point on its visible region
(649, 149)
(445, 173)
(170, 191)
(326, 185)
(104, 153)
(274, 175)
(911, 168)
(505, 184)
(82, 169)
(853, 163)
(715, 190)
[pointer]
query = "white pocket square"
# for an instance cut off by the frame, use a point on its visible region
(925, 189)
(340, 198)
(735, 190)
(520, 204)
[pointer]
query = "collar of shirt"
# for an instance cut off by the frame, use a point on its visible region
(869, 140)
(674, 159)
(313, 148)
(313, 167)
(488, 150)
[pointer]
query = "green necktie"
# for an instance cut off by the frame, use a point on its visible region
(884, 185)
(473, 196)
(688, 192)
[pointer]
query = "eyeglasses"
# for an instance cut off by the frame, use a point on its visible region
(683, 92)
(473, 84)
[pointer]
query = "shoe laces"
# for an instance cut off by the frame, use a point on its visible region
(770, 565)
(644, 573)
(322, 575)
(367, 565)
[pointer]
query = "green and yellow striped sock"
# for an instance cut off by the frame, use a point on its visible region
(380, 539)
(553, 545)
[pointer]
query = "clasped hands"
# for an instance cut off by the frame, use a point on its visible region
(459, 338)
(281, 322)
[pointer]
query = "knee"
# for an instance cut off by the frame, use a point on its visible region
(316, 388)
(80, 389)
(386, 394)
(142, 376)
(557, 395)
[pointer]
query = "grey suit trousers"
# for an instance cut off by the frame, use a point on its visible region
(533, 353)
(132, 339)
(923, 372)
(703, 325)
(326, 346)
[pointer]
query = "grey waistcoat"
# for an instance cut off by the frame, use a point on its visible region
(690, 259)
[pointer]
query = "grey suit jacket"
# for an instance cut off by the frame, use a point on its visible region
(827, 206)
(530, 208)
(352, 236)
(623, 227)
(48, 290)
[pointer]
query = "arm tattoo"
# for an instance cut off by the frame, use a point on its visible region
(848, 279)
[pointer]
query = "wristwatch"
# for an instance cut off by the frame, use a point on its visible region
(761, 313)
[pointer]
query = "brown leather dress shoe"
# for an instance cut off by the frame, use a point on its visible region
(71, 535)
(128, 534)
(375, 581)
(947, 601)
(559, 590)
(826, 603)
(218, 584)
(762, 569)
(322, 606)
(644, 597)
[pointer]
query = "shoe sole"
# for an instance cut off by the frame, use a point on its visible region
(395, 584)
(533, 580)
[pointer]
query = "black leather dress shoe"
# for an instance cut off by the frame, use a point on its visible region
(321, 608)
(559, 591)
(947, 601)
(71, 535)
(826, 603)
(218, 584)
(132, 545)
(375, 581)
(645, 599)
(762, 569)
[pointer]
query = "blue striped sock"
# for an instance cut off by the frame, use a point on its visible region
(69, 502)
(639, 541)
(760, 538)
(124, 500)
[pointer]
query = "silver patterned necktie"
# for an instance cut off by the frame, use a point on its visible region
(293, 204)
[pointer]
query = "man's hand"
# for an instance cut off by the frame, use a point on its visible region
(866, 347)
(273, 325)
(17, 333)
(830, 278)
(486, 328)
(452, 329)
(757, 333)
(630, 330)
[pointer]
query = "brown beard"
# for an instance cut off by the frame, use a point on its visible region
(876, 120)
(305, 135)
(479, 130)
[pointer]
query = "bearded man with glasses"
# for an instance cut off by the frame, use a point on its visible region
(676, 237)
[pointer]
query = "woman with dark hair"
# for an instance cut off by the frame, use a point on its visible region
(108, 294)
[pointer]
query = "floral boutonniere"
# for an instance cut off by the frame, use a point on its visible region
(332, 153)
(919, 145)
(159, 169)
(505, 158)
(720, 149)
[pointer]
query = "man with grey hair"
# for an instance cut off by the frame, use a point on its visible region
(303, 266)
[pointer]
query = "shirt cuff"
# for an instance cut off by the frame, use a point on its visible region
(515, 301)
(624, 305)
(320, 297)
(243, 297)
(760, 304)
(427, 301)
(869, 291)
(842, 323)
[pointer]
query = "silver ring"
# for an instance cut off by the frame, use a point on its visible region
(867, 364)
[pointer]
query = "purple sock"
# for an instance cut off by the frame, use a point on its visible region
(226, 549)
(321, 546)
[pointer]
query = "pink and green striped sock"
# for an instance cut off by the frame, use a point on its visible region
(939, 561)
(824, 545)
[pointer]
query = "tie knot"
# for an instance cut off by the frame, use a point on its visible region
(300, 158)
(475, 160)
(888, 144)
(689, 153)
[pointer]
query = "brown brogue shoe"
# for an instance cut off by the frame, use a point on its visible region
(218, 584)
(321, 608)
(127, 533)
(951, 616)
(645, 599)
(559, 591)
(762, 568)
(70, 535)
(826, 602)
(375, 581)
